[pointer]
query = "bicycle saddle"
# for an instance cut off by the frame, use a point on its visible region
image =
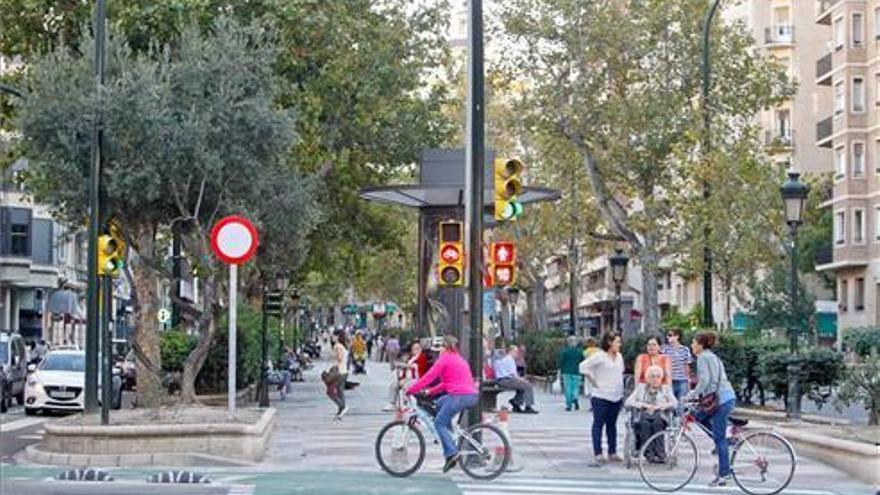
(738, 421)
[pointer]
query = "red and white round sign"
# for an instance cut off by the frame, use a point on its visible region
(234, 240)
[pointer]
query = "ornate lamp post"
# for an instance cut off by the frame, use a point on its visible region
(794, 195)
(513, 295)
(295, 298)
(282, 282)
(618, 262)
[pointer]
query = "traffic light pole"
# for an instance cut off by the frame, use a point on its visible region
(476, 160)
(264, 355)
(106, 349)
(92, 296)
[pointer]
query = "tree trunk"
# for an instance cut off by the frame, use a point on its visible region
(539, 295)
(207, 328)
(146, 337)
(650, 302)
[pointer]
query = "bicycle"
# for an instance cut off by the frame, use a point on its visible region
(762, 461)
(400, 445)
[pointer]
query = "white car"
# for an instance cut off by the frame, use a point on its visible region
(57, 384)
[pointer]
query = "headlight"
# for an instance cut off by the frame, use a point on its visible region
(33, 381)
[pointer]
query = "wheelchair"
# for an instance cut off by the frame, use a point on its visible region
(630, 446)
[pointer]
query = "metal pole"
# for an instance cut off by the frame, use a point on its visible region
(264, 357)
(233, 313)
(708, 320)
(176, 275)
(474, 207)
(92, 296)
(617, 326)
(106, 350)
(513, 320)
(794, 365)
(572, 286)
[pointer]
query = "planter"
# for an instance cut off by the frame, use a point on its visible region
(157, 437)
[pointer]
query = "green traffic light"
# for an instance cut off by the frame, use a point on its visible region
(512, 210)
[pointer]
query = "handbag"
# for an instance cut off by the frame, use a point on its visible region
(708, 403)
(330, 375)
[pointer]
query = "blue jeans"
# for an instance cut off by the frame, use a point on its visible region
(680, 389)
(572, 386)
(717, 423)
(449, 406)
(605, 415)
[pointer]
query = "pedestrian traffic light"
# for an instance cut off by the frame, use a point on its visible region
(451, 265)
(503, 263)
(273, 304)
(111, 255)
(508, 186)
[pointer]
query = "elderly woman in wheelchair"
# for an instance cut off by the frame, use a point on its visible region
(651, 406)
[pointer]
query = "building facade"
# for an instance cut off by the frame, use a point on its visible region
(850, 72)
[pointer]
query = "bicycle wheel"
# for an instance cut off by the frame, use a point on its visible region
(485, 452)
(763, 463)
(400, 448)
(668, 460)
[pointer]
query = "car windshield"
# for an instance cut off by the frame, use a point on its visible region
(64, 362)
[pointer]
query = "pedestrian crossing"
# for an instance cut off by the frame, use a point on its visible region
(20, 424)
(513, 485)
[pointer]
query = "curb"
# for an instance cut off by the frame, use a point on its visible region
(34, 455)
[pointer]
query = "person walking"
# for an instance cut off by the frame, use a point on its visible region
(716, 400)
(457, 383)
(680, 359)
(604, 371)
(392, 348)
(508, 378)
(653, 357)
(339, 359)
(569, 360)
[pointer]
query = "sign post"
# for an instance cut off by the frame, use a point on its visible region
(234, 241)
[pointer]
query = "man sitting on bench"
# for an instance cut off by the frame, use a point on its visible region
(508, 379)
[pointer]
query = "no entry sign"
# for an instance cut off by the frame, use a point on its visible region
(234, 240)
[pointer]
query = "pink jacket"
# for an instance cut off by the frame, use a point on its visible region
(454, 373)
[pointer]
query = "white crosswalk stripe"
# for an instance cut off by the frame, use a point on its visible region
(241, 490)
(20, 424)
(512, 485)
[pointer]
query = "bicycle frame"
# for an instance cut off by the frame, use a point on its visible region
(415, 414)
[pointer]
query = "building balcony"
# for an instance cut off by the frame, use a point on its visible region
(823, 10)
(779, 35)
(779, 139)
(824, 130)
(824, 66)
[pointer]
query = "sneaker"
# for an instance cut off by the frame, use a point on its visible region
(615, 458)
(388, 408)
(515, 407)
(598, 461)
(720, 481)
(451, 461)
(577, 405)
(567, 408)
(342, 412)
(529, 410)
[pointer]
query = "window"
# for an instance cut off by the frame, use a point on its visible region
(60, 244)
(17, 231)
(860, 294)
(877, 223)
(858, 159)
(858, 29)
(858, 94)
(840, 162)
(783, 125)
(842, 295)
(877, 23)
(858, 230)
(839, 35)
(839, 98)
(839, 227)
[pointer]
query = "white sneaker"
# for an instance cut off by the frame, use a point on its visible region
(342, 412)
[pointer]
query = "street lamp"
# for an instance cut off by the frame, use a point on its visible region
(513, 295)
(295, 298)
(794, 195)
(618, 263)
(282, 282)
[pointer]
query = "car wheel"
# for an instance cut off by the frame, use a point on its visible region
(30, 412)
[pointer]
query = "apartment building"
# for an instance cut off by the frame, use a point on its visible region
(850, 71)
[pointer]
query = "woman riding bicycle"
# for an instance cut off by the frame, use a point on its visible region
(713, 412)
(457, 383)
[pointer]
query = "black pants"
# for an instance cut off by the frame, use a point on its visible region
(646, 426)
(605, 417)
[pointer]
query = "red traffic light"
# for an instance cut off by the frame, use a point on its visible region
(503, 253)
(450, 253)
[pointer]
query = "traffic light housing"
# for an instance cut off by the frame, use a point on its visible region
(503, 263)
(508, 185)
(111, 255)
(451, 264)
(273, 304)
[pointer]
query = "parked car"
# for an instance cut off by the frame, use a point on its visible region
(13, 369)
(57, 384)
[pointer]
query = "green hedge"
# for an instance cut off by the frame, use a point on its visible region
(542, 351)
(175, 346)
(213, 377)
(822, 370)
(862, 340)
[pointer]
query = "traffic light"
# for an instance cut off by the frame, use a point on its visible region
(508, 186)
(111, 255)
(451, 266)
(503, 263)
(273, 304)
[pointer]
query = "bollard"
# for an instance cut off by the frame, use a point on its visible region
(502, 419)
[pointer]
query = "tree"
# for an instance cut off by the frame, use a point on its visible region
(192, 133)
(769, 301)
(619, 80)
